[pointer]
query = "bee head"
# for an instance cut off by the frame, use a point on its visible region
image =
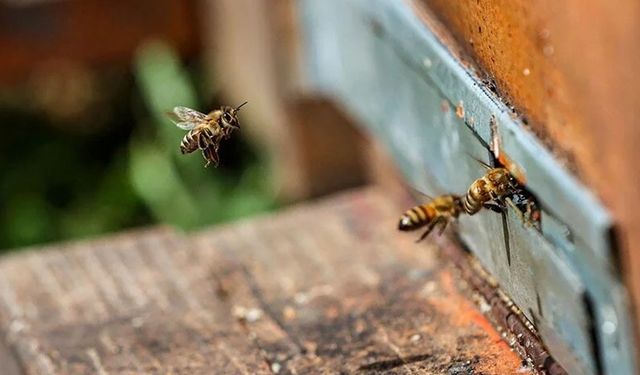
(230, 116)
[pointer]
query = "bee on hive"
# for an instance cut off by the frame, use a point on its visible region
(205, 132)
(490, 190)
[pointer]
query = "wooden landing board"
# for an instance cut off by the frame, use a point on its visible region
(324, 287)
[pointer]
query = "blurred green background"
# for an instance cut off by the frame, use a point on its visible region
(102, 156)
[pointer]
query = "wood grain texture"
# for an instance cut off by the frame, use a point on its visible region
(325, 287)
(10, 365)
(570, 68)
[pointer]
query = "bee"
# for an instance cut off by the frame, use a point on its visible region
(527, 204)
(490, 190)
(205, 131)
(438, 211)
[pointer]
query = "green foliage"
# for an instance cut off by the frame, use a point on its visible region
(61, 182)
(57, 185)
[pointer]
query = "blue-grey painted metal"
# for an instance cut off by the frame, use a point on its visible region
(385, 66)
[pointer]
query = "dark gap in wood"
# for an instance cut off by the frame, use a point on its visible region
(539, 304)
(393, 363)
(594, 335)
(614, 237)
(505, 231)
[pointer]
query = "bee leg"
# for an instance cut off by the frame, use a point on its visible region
(429, 229)
(216, 158)
(210, 154)
(443, 227)
(214, 155)
(533, 216)
(502, 202)
(527, 212)
(495, 207)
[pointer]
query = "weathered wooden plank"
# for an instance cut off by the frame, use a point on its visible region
(119, 305)
(348, 293)
(325, 287)
(10, 365)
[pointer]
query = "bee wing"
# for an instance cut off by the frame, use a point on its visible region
(186, 125)
(185, 118)
(189, 115)
(416, 191)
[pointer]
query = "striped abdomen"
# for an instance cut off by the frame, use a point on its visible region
(478, 194)
(198, 138)
(494, 185)
(416, 217)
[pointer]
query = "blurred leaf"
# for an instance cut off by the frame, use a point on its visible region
(155, 179)
(29, 219)
(164, 85)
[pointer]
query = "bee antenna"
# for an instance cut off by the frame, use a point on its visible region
(485, 165)
(240, 106)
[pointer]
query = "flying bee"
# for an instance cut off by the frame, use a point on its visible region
(205, 131)
(490, 190)
(438, 211)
